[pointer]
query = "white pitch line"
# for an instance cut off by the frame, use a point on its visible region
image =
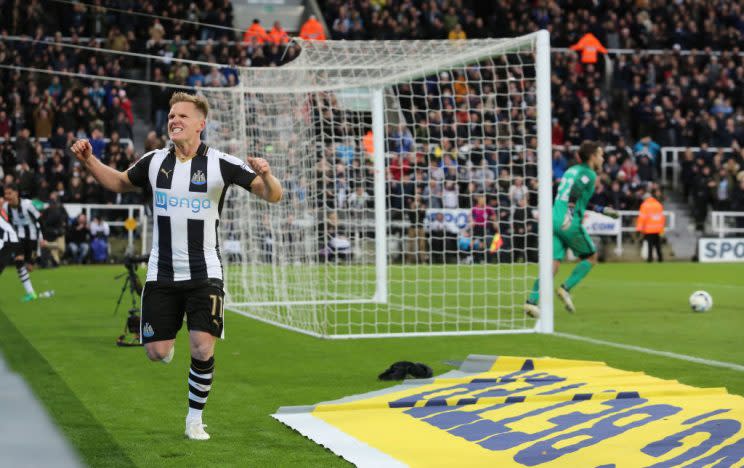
(640, 349)
(669, 284)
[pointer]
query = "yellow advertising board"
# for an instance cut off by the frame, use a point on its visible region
(515, 411)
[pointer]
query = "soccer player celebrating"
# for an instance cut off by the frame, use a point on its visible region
(571, 201)
(24, 218)
(187, 182)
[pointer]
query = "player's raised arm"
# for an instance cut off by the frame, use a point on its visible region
(265, 185)
(108, 177)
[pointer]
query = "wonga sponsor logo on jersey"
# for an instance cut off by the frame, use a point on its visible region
(194, 203)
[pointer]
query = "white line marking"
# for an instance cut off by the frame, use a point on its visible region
(669, 284)
(640, 349)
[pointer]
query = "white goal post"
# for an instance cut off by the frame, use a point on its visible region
(411, 203)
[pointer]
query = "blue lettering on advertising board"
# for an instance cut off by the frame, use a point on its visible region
(718, 431)
(545, 450)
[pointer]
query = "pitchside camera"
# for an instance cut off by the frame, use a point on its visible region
(134, 285)
(131, 263)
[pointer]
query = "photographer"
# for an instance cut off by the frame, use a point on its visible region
(78, 239)
(54, 223)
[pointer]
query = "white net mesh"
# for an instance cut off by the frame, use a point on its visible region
(459, 192)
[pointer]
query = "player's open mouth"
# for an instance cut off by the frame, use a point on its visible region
(176, 130)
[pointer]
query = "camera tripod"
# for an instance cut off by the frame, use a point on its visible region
(131, 335)
(132, 283)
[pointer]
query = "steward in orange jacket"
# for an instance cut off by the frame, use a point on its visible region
(257, 31)
(278, 35)
(650, 223)
(589, 45)
(313, 30)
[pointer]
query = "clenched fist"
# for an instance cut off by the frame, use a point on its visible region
(260, 166)
(82, 150)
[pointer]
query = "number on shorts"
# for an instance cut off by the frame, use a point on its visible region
(216, 298)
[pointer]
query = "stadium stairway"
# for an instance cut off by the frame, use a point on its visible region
(291, 13)
(682, 239)
(140, 96)
(28, 437)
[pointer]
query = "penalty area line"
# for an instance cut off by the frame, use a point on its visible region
(655, 352)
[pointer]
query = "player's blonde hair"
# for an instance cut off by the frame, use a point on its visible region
(200, 102)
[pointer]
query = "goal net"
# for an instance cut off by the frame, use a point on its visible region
(410, 172)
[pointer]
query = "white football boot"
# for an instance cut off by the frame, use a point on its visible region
(565, 297)
(195, 430)
(532, 310)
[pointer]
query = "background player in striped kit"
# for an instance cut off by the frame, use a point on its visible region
(24, 218)
(187, 183)
(8, 242)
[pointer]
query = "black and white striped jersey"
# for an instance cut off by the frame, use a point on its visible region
(25, 219)
(7, 233)
(187, 200)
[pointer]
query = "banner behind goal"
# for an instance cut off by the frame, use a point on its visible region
(411, 201)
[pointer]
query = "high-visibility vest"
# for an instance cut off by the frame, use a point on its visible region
(589, 45)
(651, 219)
(278, 36)
(257, 31)
(312, 29)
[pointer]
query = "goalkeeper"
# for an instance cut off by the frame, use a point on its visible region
(571, 201)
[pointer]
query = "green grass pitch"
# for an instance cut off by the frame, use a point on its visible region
(119, 409)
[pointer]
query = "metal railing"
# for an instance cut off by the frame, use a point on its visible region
(671, 168)
(671, 224)
(721, 222)
(136, 212)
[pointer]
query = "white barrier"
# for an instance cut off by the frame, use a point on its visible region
(670, 162)
(671, 224)
(136, 212)
(720, 224)
(712, 250)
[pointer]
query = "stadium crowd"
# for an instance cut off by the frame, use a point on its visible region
(689, 96)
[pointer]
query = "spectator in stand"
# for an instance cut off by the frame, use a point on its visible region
(648, 147)
(418, 243)
(5, 124)
(97, 142)
(737, 199)
(723, 190)
(702, 196)
(457, 33)
(215, 79)
(75, 194)
(159, 99)
(646, 172)
(54, 221)
(518, 191)
(99, 232)
(559, 164)
(400, 140)
(78, 239)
